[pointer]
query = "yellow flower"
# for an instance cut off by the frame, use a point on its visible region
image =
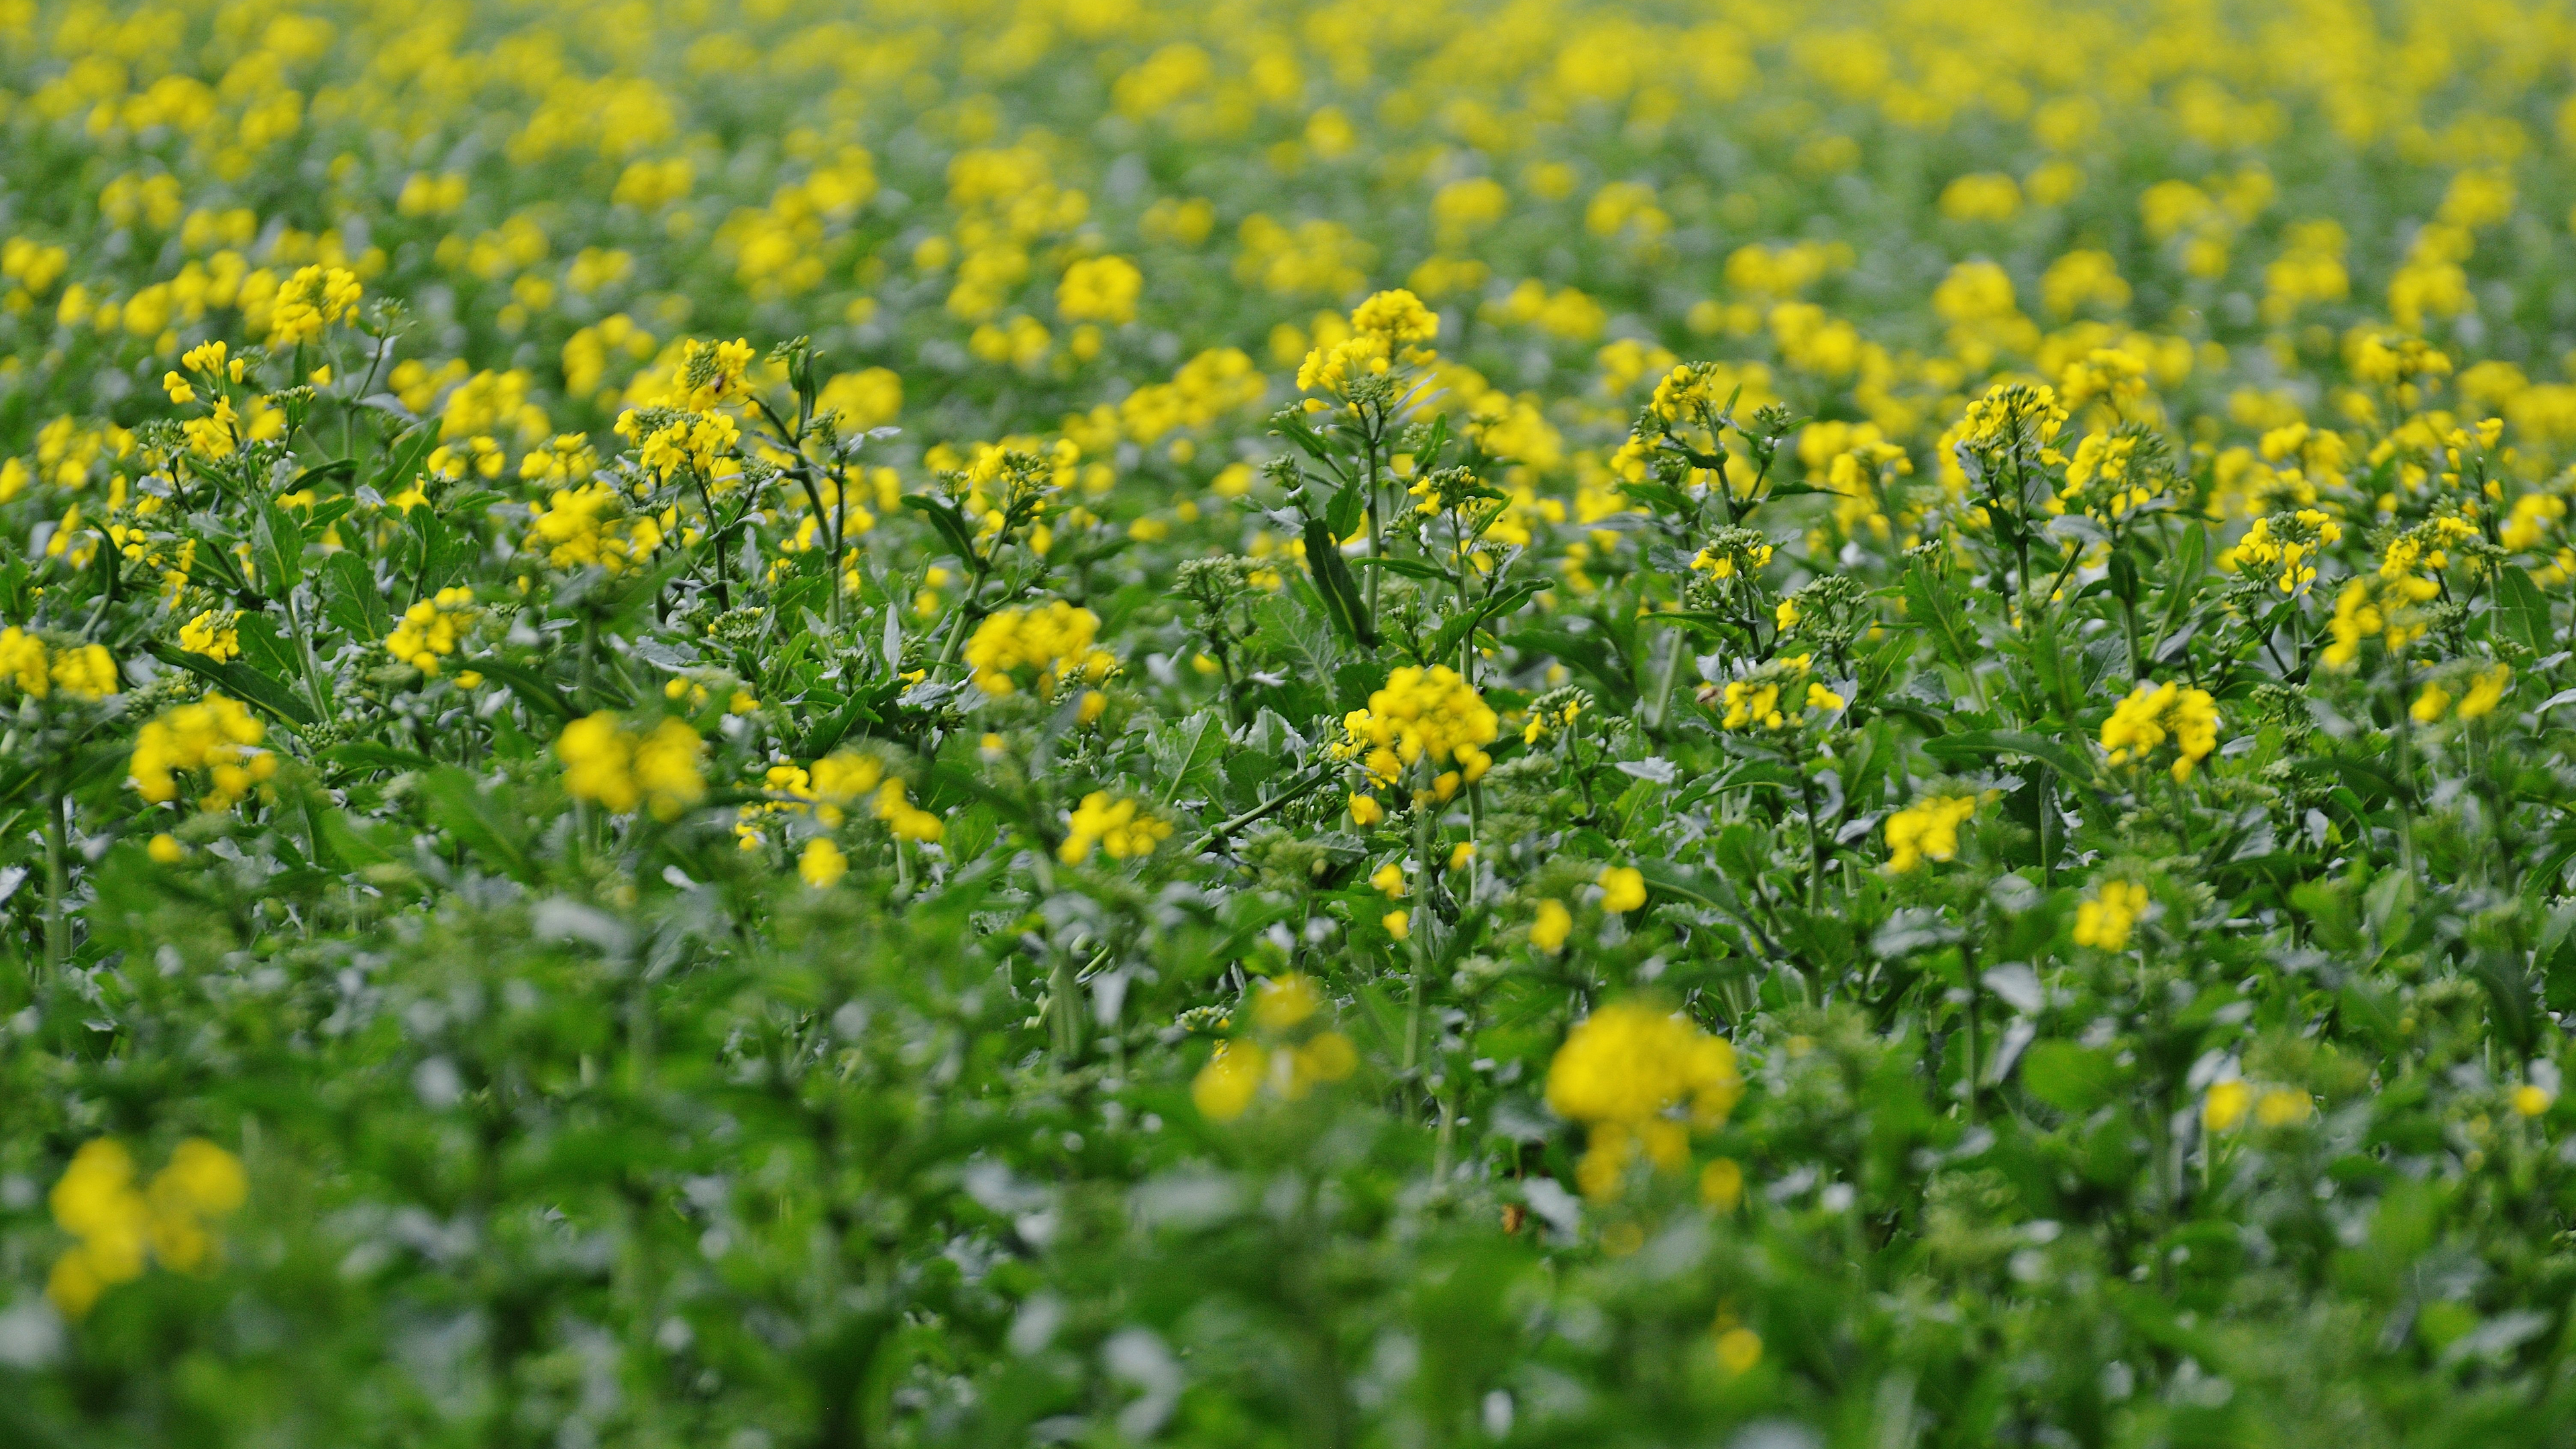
(1398, 316)
(430, 628)
(2531, 1101)
(165, 849)
(1399, 924)
(178, 388)
(1721, 1184)
(1054, 640)
(2430, 705)
(1225, 1087)
(2105, 920)
(1120, 828)
(96, 1201)
(622, 768)
(1624, 1072)
(1431, 714)
(214, 633)
(2280, 1106)
(2151, 714)
(1285, 1001)
(904, 819)
(2226, 1105)
(1388, 878)
(1738, 1350)
(85, 671)
(1551, 926)
(215, 735)
(822, 863)
(1365, 811)
(1928, 829)
(1623, 888)
(1100, 289)
(2486, 691)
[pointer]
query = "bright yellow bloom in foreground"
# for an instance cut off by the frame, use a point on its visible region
(430, 628)
(1927, 830)
(1421, 714)
(97, 1202)
(1624, 1072)
(1054, 639)
(1121, 828)
(215, 735)
(1623, 888)
(822, 863)
(2105, 920)
(2141, 723)
(615, 765)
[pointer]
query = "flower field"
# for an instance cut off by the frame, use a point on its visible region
(1016, 722)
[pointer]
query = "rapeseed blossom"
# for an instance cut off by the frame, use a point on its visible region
(1420, 715)
(1639, 1079)
(622, 767)
(2151, 714)
(216, 736)
(1928, 829)
(1053, 641)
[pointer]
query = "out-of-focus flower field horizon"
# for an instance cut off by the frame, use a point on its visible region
(1079, 721)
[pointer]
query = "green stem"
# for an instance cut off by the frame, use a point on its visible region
(58, 926)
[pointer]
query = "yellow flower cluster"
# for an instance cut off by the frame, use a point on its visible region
(2106, 920)
(216, 735)
(1623, 888)
(81, 671)
(1226, 1087)
(1928, 829)
(621, 767)
(2229, 1102)
(97, 1202)
(309, 301)
(430, 629)
(215, 633)
(1120, 828)
(2141, 723)
(1639, 1078)
(1399, 317)
(1099, 289)
(708, 374)
(906, 820)
(586, 527)
(1423, 714)
(822, 863)
(1054, 640)
(1773, 698)
(2288, 542)
(697, 444)
(2389, 604)
(1332, 367)
(2486, 691)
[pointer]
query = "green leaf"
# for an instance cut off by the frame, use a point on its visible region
(456, 804)
(1931, 608)
(1455, 632)
(1591, 653)
(530, 686)
(1984, 744)
(944, 517)
(2522, 611)
(351, 599)
(1341, 592)
(277, 545)
(240, 681)
(1349, 506)
(1185, 753)
(405, 463)
(2074, 1079)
